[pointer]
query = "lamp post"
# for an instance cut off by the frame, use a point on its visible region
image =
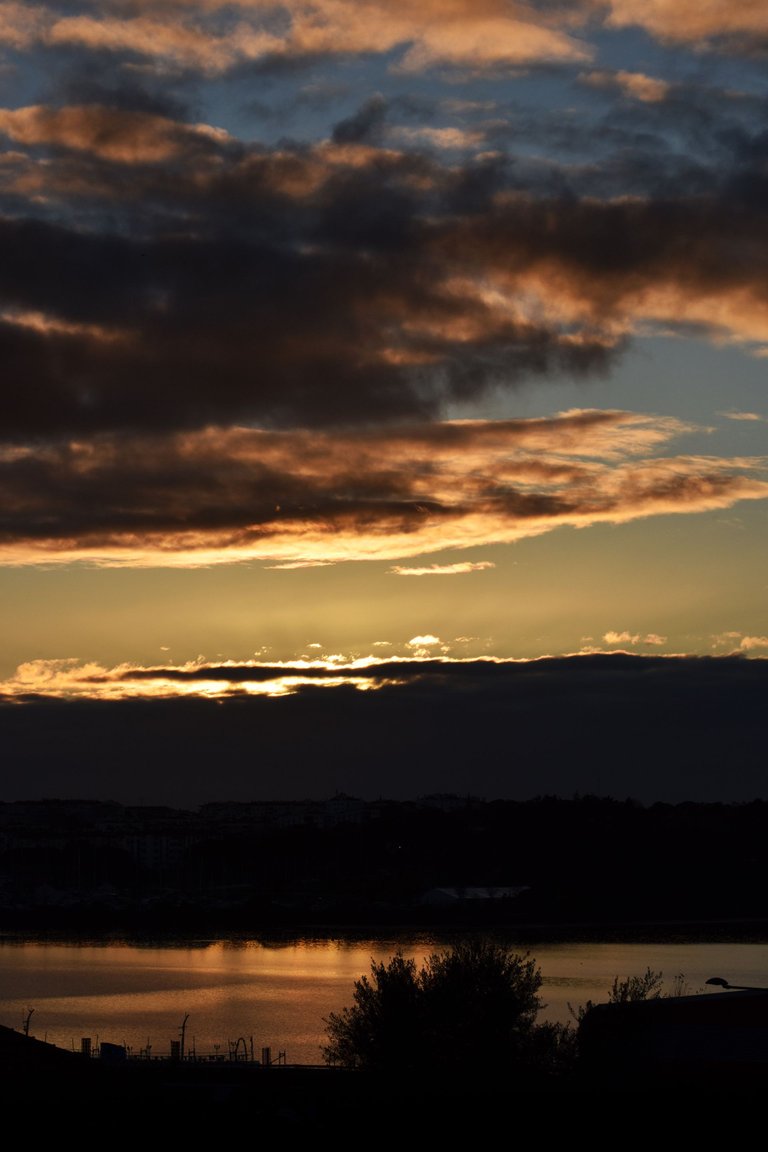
(718, 980)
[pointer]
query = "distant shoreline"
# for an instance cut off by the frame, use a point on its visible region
(637, 932)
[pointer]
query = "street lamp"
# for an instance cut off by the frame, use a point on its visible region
(718, 980)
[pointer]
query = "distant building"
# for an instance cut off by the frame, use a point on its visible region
(156, 851)
(449, 802)
(342, 809)
(450, 897)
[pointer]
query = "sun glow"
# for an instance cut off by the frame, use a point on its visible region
(71, 679)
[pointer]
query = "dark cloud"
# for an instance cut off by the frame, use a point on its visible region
(157, 273)
(654, 729)
(696, 138)
(365, 126)
(217, 328)
(341, 283)
(99, 84)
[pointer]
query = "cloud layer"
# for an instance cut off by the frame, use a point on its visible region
(601, 725)
(356, 286)
(217, 346)
(223, 495)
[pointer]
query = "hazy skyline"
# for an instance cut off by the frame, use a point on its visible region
(337, 334)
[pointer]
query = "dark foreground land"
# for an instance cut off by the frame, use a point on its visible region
(53, 1091)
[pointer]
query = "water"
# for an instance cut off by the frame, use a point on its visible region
(253, 994)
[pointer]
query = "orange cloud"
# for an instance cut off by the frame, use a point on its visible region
(71, 679)
(689, 21)
(748, 643)
(180, 42)
(299, 498)
(458, 569)
(116, 135)
(212, 36)
(637, 85)
(478, 40)
(605, 270)
(459, 138)
(21, 24)
(471, 33)
(633, 638)
(54, 325)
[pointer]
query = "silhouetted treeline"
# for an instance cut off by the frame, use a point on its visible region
(444, 859)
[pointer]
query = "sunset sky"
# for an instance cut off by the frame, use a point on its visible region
(339, 337)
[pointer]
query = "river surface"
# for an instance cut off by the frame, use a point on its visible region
(219, 996)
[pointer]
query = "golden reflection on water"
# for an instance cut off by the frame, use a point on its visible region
(278, 994)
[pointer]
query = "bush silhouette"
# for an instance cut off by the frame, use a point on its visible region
(473, 1006)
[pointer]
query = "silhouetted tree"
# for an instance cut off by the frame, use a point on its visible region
(385, 1022)
(474, 1005)
(649, 986)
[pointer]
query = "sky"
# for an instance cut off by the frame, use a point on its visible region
(357, 350)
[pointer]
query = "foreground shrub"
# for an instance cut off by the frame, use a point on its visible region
(471, 1007)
